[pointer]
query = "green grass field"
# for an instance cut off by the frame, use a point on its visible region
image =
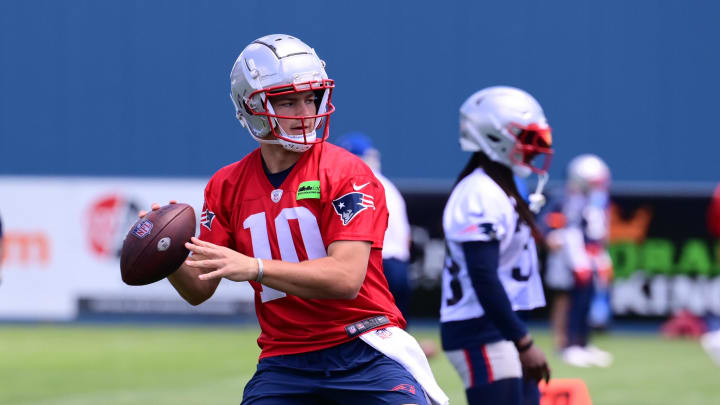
(113, 365)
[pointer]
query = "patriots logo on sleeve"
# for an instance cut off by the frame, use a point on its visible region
(206, 218)
(486, 229)
(351, 204)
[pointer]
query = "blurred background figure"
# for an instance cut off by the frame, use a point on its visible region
(1, 249)
(396, 246)
(713, 214)
(710, 340)
(579, 268)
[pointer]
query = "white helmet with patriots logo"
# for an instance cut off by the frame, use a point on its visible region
(509, 125)
(278, 65)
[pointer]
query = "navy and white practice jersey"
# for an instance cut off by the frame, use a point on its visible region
(582, 232)
(479, 210)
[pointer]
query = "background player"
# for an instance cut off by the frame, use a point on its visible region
(579, 268)
(303, 221)
(710, 340)
(1, 249)
(396, 245)
(491, 268)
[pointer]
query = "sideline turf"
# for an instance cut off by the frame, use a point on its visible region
(66, 364)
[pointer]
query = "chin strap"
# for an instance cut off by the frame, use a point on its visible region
(537, 199)
(291, 146)
(261, 140)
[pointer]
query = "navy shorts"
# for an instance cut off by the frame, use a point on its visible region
(351, 373)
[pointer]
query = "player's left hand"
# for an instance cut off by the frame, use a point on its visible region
(535, 365)
(220, 261)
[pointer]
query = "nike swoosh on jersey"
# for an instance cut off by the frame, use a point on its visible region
(360, 187)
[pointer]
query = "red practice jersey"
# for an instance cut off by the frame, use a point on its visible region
(329, 195)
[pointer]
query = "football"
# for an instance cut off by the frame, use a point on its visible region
(155, 245)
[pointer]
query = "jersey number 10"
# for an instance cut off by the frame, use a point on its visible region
(309, 232)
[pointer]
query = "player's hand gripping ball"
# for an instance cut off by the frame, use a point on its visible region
(155, 245)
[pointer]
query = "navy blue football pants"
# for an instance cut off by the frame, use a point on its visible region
(349, 374)
(578, 330)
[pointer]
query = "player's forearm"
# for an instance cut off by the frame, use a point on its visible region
(482, 261)
(324, 278)
(193, 290)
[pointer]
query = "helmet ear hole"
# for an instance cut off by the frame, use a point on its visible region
(242, 102)
(245, 107)
(493, 138)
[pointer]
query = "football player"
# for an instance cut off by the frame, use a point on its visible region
(303, 221)
(579, 268)
(491, 267)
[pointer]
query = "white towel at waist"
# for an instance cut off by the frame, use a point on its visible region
(403, 348)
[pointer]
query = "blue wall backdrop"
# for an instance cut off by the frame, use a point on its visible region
(92, 87)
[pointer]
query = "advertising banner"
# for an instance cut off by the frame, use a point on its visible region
(62, 240)
(664, 257)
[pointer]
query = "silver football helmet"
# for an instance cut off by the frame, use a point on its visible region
(510, 127)
(588, 172)
(277, 65)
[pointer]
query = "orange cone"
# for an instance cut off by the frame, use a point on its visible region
(564, 391)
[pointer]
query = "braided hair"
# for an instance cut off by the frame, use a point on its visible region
(503, 177)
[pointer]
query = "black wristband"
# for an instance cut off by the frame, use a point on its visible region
(525, 347)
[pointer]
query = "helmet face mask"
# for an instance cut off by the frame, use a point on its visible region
(280, 65)
(532, 148)
(321, 118)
